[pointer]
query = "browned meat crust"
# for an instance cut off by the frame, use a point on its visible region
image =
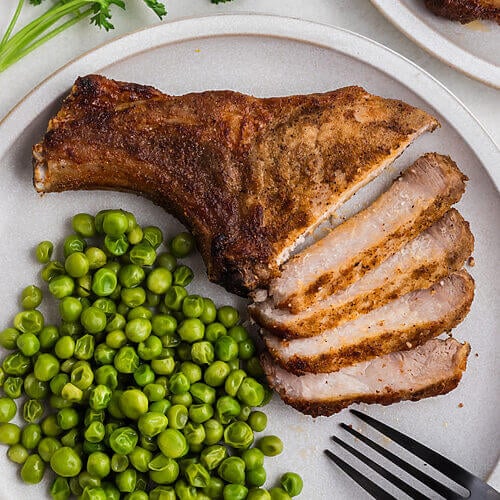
(248, 176)
(403, 339)
(325, 319)
(327, 408)
(466, 11)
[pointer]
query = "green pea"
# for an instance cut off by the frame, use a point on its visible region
(16, 364)
(71, 438)
(123, 440)
(48, 337)
(133, 403)
(215, 488)
(135, 235)
(178, 383)
(138, 330)
(29, 321)
(12, 387)
(8, 338)
(60, 489)
(31, 435)
(171, 442)
(228, 316)
(202, 352)
(28, 344)
(131, 275)
(193, 306)
(82, 375)
(32, 410)
(257, 420)
(104, 355)
(159, 280)
(115, 223)
(292, 483)
(160, 406)
(162, 493)
(44, 251)
(9, 433)
(65, 347)
(167, 260)
(119, 462)
(71, 392)
(99, 398)
(33, 469)
(61, 286)
(31, 297)
(183, 275)
(116, 339)
(142, 254)
(270, 445)
(154, 392)
(184, 399)
(51, 270)
(279, 494)
(254, 368)
(251, 392)
(216, 374)
(70, 309)
(46, 367)
(152, 423)
(192, 371)
(126, 480)
(163, 470)
(98, 464)
(127, 360)
(133, 297)
(76, 264)
(182, 245)
(226, 348)
(153, 236)
(140, 458)
(174, 297)
(227, 408)
(212, 456)
(232, 470)
(65, 462)
(213, 431)
(17, 453)
(84, 348)
(8, 410)
(84, 225)
(104, 282)
(47, 446)
(115, 322)
(202, 393)
(73, 243)
(235, 492)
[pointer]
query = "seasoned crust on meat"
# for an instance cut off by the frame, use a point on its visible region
(248, 176)
(440, 250)
(466, 11)
(399, 325)
(431, 369)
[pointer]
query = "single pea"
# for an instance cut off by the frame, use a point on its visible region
(29, 321)
(8, 338)
(96, 258)
(246, 349)
(203, 393)
(212, 456)
(213, 431)
(138, 330)
(270, 445)
(159, 280)
(227, 408)
(228, 316)
(254, 368)
(133, 403)
(142, 254)
(44, 251)
(200, 413)
(155, 392)
(104, 355)
(100, 397)
(238, 435)
(258, 494)
(226, 348)
(60, 489)
(133, 297)
(71, 392)
(31, 297)
(140, 458)
(84, 225)
(123, 440)
(48, 337)
(98, 464)
(76, 264)
(51, 270)
(8, 410)
(71, 438)
(256, 476)
(17, 453)
(153, 236)
(115, 322)
(31, 435)
(150, 424)
(82, 375)
(253, 458)
(279, 494)
(232, 470)
(235, 492)
(88, 481)
(163, 470)
(28, 344)
(183, 275)
(191, 330)
(178, 383)
(93, 320)
(47, 446)
(33, 469)
(215, 488)
(50, 426)
(209, 313)
(84, 347)
(106, 305)
(167, 260)
(67, 418)
(192, 371)
(66, 462)
(135, 235)
(115, 223)
(164, 366)
(292, 483)
(174, 297)
(251, 392)
(257, 420)
(182, 245)
(70, 309)
(172, 443)
(104, 282)
(131, 275)
(13, 386)
(61, 286)
(184, 399)
(46, 367)
(202, 352)
(16, 364)
(116, 339)
(65, 347)
(9, 433)
(193, 306)
(127, 360)
(83, 286)
(216, 374)
(119, 462)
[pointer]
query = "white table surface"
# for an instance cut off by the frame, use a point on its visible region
(356, 15)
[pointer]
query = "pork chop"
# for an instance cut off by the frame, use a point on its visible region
(466, 11)
(400, 324)
(440, 250)
(248, 176)
(431, 369)
(419, 197)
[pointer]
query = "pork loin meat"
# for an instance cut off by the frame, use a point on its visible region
(423, 193)
(248, 176)
(400, 324)
(431, 369)
(440, 250)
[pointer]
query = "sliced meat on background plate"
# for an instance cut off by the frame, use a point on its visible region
(248, 176)
(400, 324)
(440, 250)
(431, 369)
(419, 197)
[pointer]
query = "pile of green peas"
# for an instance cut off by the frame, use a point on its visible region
(143, 390)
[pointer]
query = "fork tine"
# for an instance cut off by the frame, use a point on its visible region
(442, 464)
(367, 484)
(416, 473)
(409, 490)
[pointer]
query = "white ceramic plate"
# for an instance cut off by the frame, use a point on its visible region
(276, 56)
(471, 48)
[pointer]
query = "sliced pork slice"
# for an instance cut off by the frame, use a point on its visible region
(437, 252)
(419, 197)
(431, 369)
(401, 324)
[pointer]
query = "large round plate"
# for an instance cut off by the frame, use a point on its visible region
(471, 48)
(267, 56)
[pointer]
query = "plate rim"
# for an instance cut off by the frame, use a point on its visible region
(418, 80)
(445, 50)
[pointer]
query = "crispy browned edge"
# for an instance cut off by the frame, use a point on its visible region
(400, 340)
(243, 258)
(327, 408)
(464, 11)
(325, 319)
(339, 279)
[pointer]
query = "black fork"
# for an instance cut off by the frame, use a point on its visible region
(477, 488)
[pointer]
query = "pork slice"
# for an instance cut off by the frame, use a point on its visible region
(400, 324)
(430, 369)
(432, 255)
(419, 197)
